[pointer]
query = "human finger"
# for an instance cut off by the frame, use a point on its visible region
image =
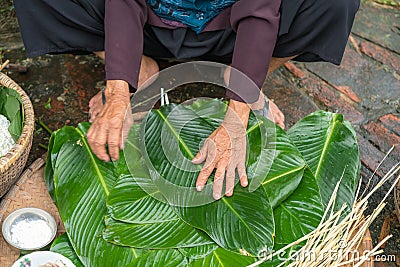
(114, 140)
(218, 181)
(97, 137)
(242, 174)
(94, 111)
(202, 154)
(128, 123)
(91, 102)
(230, 180)
(205, 172)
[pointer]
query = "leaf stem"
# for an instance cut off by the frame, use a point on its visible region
(43, 146)
(44, 126)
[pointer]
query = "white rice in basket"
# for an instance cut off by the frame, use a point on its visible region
(6, 141)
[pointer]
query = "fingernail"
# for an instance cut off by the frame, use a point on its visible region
(194, 160)
(245, 183)
(217, 196)
(229, 193)
(199, 188)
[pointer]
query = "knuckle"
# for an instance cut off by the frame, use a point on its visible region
(90, 138)
(113, 144)
(207, 170)
(218, 180)
(115, 121)
(230, 175)
(220, 172)
(98, 142)
(202, 179)
(101, 120)
(243, 172)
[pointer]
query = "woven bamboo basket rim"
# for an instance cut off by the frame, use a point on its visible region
(29, 191)
(27, 131)
(35, 166)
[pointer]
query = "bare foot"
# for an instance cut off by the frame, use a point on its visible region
(147, 74)
(274, 113)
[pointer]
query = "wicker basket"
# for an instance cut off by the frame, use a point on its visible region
(29, 191)
(13, 163)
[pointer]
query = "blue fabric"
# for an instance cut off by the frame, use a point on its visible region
(193, 13)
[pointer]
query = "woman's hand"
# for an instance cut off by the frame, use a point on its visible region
(112, 124)
(225, 150)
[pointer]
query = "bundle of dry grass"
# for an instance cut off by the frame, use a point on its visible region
(335, 241)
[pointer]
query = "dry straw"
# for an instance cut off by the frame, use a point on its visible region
(335, 241)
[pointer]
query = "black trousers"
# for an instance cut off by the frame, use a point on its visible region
(315, 30)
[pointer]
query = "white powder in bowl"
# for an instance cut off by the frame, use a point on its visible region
(31, 233)
(6, 141)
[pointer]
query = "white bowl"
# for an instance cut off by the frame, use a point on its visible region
(29, 228)
(41, 258)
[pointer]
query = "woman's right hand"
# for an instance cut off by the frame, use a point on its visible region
(112, 124)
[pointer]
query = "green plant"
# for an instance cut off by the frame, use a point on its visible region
(11, 107)
(123, 210)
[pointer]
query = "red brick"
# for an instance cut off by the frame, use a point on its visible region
(287, 96)
(295, 70)
(324, 94)
(371, 157)
(380, 54)
(348, 92)
(383, 138)
(391, 122)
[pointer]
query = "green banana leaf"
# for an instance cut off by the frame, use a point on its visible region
(286, 255)
(164, 257)
(136, 213)
(12, 108)
(82, 183)
(129, 201)
(329, 146)
(153, 258)
(198, 252)
(283, 165)
(278, 165)
(145, 191)
(241, 222)
(156, 235)
(63, 246)
(57, 140)
(146, 222)
(221, 258)
(300, 213)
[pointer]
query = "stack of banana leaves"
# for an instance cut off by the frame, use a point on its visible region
(143, 210)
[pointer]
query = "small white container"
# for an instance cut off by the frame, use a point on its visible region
(29, 229)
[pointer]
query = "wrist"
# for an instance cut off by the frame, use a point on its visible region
(119, 88)
(238, 110)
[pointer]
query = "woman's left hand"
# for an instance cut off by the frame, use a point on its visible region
(225, 150)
